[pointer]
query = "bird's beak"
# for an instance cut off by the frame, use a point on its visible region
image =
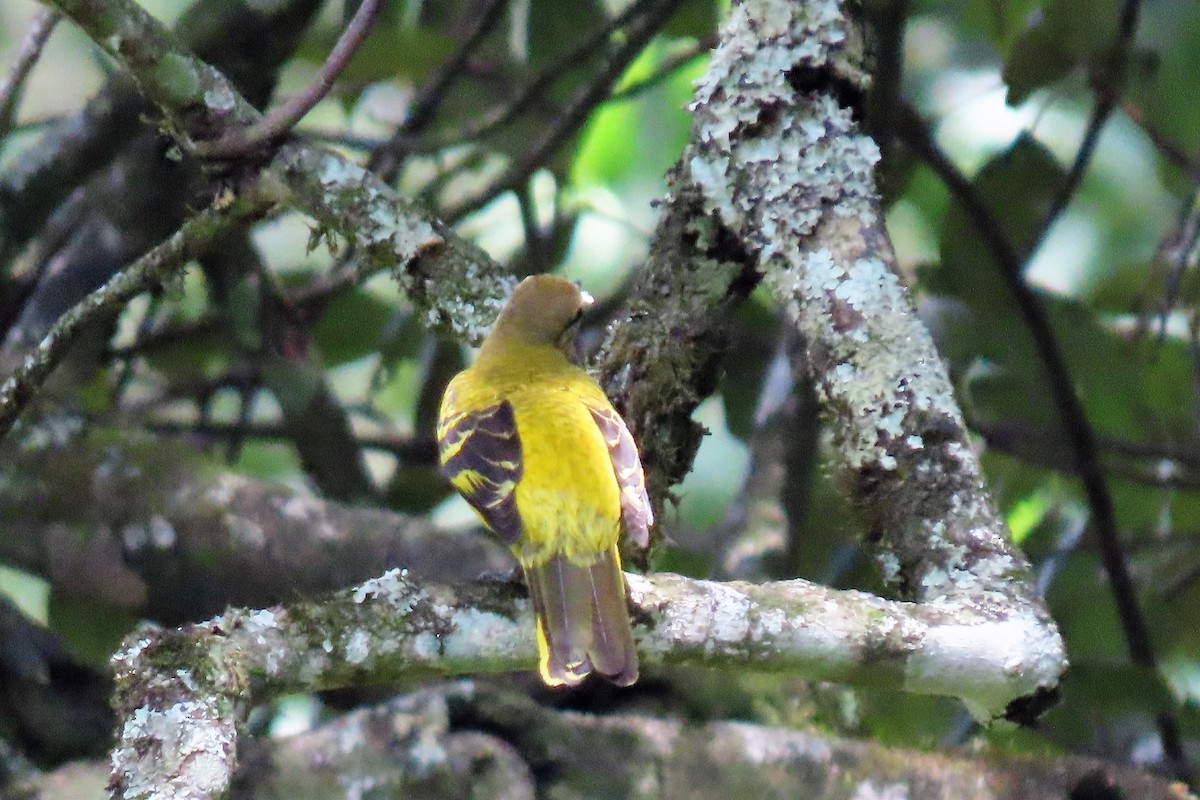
(586, 297)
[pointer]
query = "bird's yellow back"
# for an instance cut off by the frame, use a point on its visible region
(568, 497)
(532, 443)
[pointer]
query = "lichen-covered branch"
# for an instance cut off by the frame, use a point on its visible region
(227, 34)
(118, 518)
(458, 286)
(782, 163)
(454, 282)
(179, 691)
(469, 739)
(663, 356)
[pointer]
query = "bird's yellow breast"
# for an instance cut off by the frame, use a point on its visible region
(568, 497)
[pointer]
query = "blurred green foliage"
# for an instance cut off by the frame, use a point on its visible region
(1008, 88)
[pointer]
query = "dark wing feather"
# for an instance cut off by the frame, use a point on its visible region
(481, 455)
(635, 503)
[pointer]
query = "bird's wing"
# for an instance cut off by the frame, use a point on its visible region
(622, 450)
(481, 455)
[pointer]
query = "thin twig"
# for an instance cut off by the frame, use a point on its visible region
(409, 450)
(1169, 149)
(341, 138)
(576, 57)
(1177, 251)
(147, 272)
(282, 119)
(386, 160)
(566, 124)
(14, 80)
(1169, 466)
(915, 134)
(665, 71)
(523, 98)
(1105, 103)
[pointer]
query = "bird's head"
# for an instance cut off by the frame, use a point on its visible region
(542, 309)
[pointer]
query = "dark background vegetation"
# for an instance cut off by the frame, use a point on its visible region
(1058, 140)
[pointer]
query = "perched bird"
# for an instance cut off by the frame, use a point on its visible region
(532, 443)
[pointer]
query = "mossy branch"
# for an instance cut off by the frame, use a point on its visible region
(179, 691)
(783, 166)
(456, 284)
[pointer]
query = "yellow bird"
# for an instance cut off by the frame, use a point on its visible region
(532, 443)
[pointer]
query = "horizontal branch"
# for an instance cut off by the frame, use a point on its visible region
(470, 739)
(119, 517)
(179, 691)
(1158, 464)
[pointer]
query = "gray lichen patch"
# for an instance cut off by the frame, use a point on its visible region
(191, 754)
(459, 289)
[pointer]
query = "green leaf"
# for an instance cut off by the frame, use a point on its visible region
(1084, 28)
(1018, 186)
(91, 631)
(695, 19)
(243, 311)
(741, 386)
(391, 50)
(998, 22)
(351, 326)
(637, 140)
(1037, 60)
(555, 27)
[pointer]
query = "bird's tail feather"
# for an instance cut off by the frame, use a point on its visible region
(582, 620)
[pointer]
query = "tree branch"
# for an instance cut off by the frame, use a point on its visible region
(280, 120)
(567, 123)
(782, 164)
(1106, 101)
(1081, 437)
(14, 80)
(147, 272)
(470, 739)
(116, 517)
(458, 287)
(179, 691)
(387, 157)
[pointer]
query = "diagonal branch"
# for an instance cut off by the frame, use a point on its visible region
(14, 80)
(147, 272)
(1079, 433)
(1107, 99)
(387, 157)
(784, 167)
(454, 283)
(280, 120)
(568, 122)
